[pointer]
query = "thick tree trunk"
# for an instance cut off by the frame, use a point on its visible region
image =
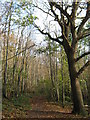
(77, 97)
(88, 86)
(78, 105)
(88, 80)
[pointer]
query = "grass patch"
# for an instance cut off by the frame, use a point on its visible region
(22, 102)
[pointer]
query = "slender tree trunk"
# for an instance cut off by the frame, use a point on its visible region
(19, 76)
(15, 61)
(51, 71)
(57, 82)
(4, 51)
(6, 64)
(21, 70)
(63, 92)
(22, 86)
(25, 81)
(14, 66)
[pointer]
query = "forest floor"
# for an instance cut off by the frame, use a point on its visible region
(37, 107)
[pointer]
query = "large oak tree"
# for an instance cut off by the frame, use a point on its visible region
(67, 15)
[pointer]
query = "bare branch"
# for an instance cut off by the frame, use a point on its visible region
(83, 68)
(63, 25)
(56, 16)
(74, 10)
(43, 10)
(84, 34)
(85, 18)
(77, 59)
(20, 52)
(61, 9)
(46, 33)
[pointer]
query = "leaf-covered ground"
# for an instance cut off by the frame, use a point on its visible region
(37, 107)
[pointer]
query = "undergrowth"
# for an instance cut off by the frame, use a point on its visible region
(16, 106)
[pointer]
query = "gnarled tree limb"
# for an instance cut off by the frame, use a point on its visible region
(61, 9)
(83, 68)
(48, 34)
(85, 18)
(77, 59)
(56, 16)
(84, 34)
(43, 10)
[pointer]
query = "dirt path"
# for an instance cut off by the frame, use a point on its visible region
(43, 109)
